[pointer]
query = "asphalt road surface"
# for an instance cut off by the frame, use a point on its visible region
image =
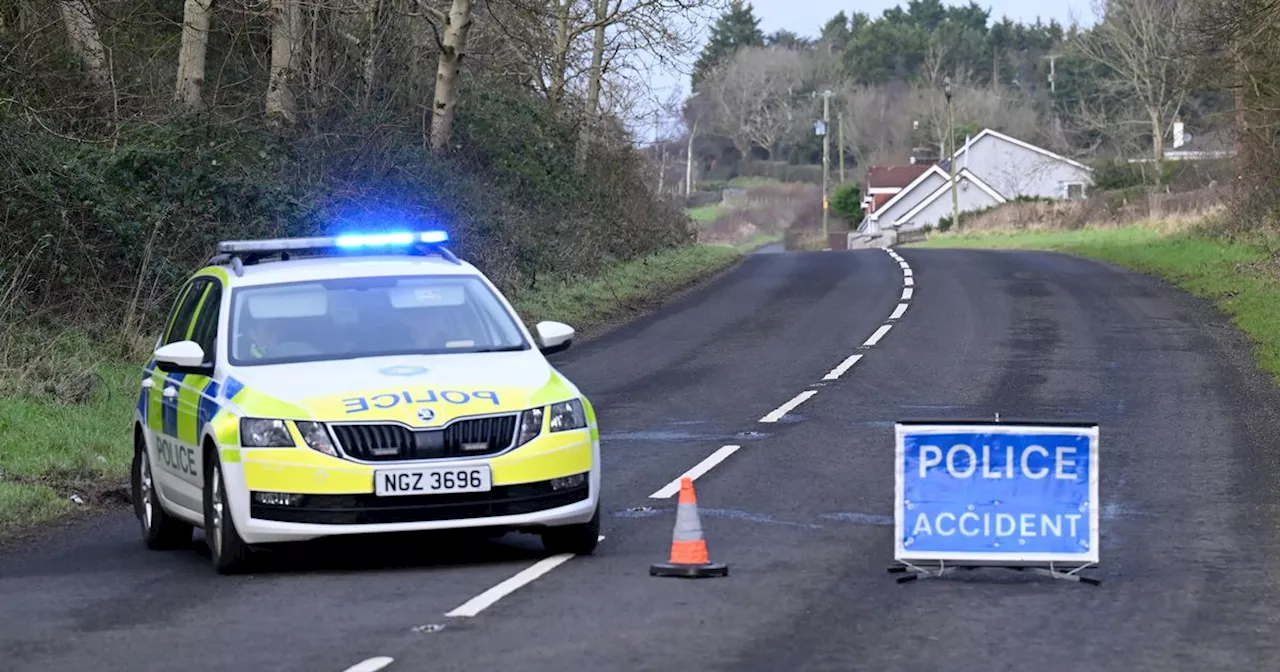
(801, 510)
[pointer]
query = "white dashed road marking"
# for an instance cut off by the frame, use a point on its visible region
(907, 292)
(897, 312)
(777, 413)
(699, 469)
(844, 366)
(371, 665)
(523, 578)
(875, 338)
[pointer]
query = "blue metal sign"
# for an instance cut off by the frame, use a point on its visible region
(996, 494)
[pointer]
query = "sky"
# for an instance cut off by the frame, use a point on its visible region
(806, 17)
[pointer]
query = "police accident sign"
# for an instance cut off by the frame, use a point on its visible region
(994, 494)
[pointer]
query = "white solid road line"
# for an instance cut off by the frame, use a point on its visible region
(699, 469)
(524, 577)
(371, 665)
(897, 312)
(907, 292)
(844, 366)
(875, 338)
(777, 413)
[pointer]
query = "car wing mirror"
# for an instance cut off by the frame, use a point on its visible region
(554, 336)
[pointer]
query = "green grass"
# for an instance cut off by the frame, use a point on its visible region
(1242, 277)
(749, 181)
(50, 451)
(584, 304)
(705, 213)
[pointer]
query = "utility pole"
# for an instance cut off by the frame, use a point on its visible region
(840, 134)
(826, 161)
(688, 165)
(1053, 87)
(951, 163)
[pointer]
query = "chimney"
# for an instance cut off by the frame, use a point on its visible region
(1179, 133)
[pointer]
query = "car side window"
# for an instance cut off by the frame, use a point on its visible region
(205, 333)
(185, 311)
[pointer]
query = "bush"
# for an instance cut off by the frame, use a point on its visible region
(846, 202)
(103, 234)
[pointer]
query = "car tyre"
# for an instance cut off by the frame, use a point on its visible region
(160, 531)
(580, 539)
(230, 555)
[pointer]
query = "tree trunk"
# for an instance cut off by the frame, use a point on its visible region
(594, 84)
(196, 17)
(85, 41)
(560, 53)
(448, 69)
(286, 32)
(373, 21)
(1157, 144)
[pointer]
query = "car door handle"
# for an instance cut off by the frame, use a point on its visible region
(170, 392)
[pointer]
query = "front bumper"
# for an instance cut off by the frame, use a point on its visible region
(338, 497)
(369, 509)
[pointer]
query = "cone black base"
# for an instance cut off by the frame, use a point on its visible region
(711, 569)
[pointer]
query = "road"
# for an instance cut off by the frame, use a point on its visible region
(801, 511)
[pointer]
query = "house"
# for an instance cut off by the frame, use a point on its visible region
(885, 181)
(991, 168)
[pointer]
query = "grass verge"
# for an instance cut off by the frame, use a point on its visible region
(62, 459)
(1241, 276)
(705, 213)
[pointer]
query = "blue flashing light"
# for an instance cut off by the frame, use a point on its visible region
(390, 239)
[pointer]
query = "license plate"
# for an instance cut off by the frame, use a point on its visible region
(433, 481)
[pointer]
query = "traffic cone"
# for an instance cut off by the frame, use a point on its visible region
(688, 548)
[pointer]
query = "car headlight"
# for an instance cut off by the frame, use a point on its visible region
(530, 425)
(568, 415)
(264, 433)
(317, 437)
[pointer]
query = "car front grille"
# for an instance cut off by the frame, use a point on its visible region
(463, 438)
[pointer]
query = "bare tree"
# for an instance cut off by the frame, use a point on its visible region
(1140, 42)
(286, 37)
(758, 96)
(196, 18)
(457, 23)
(85, 40)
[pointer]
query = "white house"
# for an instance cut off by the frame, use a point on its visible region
(992, 168)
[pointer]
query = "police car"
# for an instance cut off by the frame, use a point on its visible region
(357, 384)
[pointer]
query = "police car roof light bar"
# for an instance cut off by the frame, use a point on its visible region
(253, 251)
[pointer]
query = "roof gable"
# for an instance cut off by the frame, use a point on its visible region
(986, 132)
(964, 174)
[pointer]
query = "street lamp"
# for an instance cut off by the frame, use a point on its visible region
(951, 139)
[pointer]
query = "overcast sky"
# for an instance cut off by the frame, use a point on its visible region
(806, 17)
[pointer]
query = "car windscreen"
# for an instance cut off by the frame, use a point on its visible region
(368, 317)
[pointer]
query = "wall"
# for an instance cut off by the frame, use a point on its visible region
(1017, 171)
(968, 197)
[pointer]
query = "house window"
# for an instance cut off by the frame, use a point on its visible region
(1075, 191)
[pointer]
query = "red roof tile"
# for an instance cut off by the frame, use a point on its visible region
(894, 177)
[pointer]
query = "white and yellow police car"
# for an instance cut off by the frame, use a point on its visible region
(357, 384)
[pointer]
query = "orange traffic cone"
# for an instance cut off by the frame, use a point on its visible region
(688, 548)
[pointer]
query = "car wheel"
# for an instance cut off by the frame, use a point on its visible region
(230, 554)
(160, 531)
(577, 539)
